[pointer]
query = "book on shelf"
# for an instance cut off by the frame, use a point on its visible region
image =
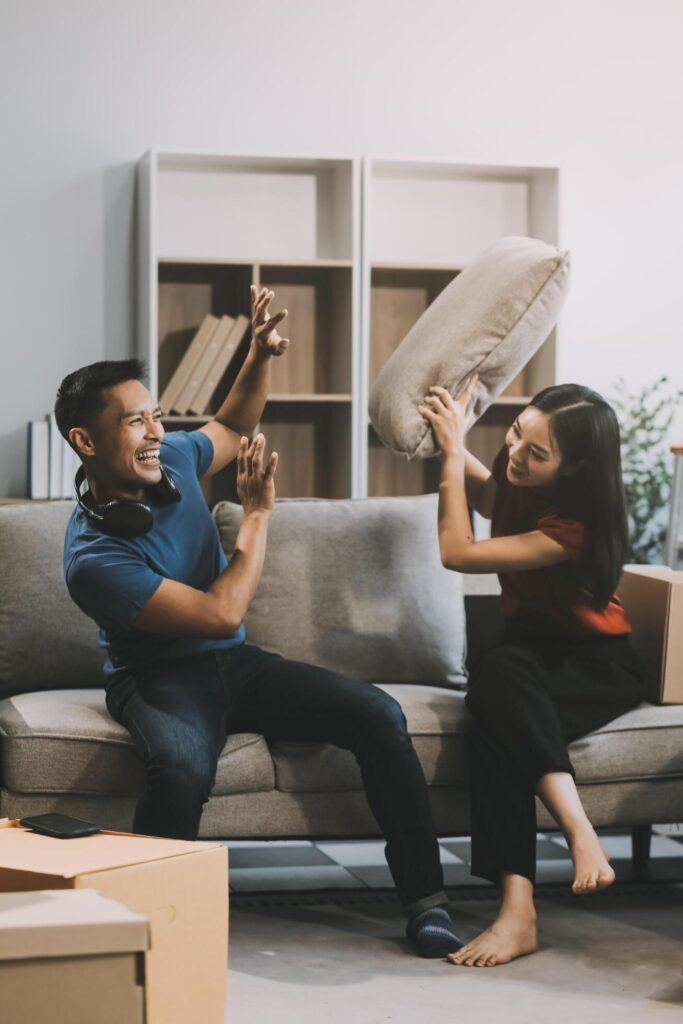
(202, 400)
(186, 365)
(202, 367)
(70, 464)
(56, 444)
(39, 458)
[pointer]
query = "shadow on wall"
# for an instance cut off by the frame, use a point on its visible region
(119, 289)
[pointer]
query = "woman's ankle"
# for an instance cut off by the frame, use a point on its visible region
(518, 899)
(579, 831)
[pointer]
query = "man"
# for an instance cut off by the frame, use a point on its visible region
(143, 559)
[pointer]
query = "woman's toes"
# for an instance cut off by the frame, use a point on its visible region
(492, 961)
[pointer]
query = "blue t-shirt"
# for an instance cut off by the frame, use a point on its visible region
(111, 579)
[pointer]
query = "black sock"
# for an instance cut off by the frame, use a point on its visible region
(432, 932)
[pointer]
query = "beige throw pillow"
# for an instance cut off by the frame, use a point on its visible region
(489, 320)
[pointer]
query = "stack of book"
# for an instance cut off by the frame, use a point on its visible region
(52, 462)
(201, 369)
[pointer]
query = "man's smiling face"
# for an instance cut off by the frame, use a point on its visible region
(123, 455)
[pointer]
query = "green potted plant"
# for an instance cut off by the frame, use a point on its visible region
(645, 418)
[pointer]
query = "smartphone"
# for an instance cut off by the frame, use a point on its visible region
(60, 826)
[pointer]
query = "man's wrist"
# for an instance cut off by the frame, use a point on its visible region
(257, 513)
(259, 352)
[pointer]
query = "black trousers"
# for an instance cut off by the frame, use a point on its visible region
(530, 696)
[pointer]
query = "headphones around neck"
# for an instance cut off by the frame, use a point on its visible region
(124, 517)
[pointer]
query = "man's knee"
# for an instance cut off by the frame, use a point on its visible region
(180, 777)
(383, 716)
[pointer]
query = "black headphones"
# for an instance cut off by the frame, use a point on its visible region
(124, 517)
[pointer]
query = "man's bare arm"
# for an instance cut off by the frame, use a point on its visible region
(242, 408)
(176, 609)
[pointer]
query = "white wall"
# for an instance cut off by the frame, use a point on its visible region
(594, 87)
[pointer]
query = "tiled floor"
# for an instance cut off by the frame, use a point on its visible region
(289, 866)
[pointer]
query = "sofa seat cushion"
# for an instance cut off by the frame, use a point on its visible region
(644, 743)
(65, 741)
(437, 721)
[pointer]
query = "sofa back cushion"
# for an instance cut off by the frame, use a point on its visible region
(46, 642)
(357, 586)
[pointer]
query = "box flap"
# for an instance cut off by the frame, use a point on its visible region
(23, 850)
(658, 572)
(66, 922)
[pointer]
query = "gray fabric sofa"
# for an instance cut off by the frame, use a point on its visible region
(354, 585)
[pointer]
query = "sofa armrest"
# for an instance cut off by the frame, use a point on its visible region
(483, 615)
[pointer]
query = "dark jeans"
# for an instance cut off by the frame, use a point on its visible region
(529, 697)
(179, 714)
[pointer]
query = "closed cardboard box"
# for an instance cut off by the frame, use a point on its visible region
(652, 596)
(180, 887)
(70, 956)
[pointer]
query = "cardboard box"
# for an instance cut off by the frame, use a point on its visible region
(71, 956)
(180, 887)
(652, 596)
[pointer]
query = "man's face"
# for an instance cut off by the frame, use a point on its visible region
(125, 443)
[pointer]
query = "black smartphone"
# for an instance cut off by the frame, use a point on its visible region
(60, 826)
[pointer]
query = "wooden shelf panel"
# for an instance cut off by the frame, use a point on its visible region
(284, 399)
(419, 267)
(255, 262)
(313, 397)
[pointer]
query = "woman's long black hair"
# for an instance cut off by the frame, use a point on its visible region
(590, 486)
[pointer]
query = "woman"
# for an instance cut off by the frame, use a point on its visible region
(564, 666)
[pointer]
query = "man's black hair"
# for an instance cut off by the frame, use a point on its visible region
(81, 395)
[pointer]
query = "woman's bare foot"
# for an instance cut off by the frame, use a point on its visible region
(592, 870)
(510, 936)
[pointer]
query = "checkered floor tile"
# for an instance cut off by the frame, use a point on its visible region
(305, 866)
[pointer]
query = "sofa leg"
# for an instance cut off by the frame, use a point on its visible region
(640, 840)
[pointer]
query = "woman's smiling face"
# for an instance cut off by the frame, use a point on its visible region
(534, 458)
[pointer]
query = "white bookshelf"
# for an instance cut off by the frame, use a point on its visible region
(356, 250)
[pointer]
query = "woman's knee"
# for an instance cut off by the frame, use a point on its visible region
(497, 676)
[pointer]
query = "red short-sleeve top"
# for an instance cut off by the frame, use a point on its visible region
(557, 593)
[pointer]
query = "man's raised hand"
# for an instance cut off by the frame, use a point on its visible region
(255, 482)
(264, 326)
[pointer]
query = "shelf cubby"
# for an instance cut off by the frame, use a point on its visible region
(423, 223)
(391, 474)
(186, 293)
(318, 301)
(313, 442)
(212, 225)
